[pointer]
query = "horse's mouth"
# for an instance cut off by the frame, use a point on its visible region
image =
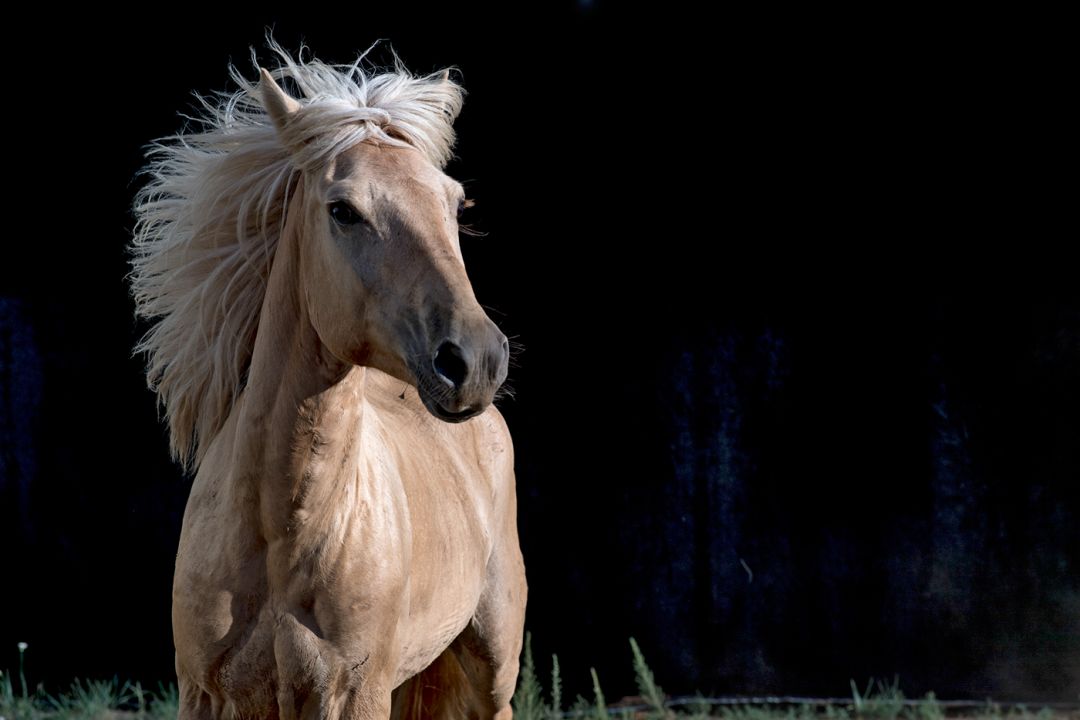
(440, 411)
(453, 416)
(441, 402)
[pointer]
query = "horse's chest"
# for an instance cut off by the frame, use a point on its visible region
(449, 546)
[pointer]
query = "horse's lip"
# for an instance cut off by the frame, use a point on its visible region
(438, 410)
(452, 416)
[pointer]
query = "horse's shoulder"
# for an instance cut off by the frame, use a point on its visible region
(484, 440)
(492, 425)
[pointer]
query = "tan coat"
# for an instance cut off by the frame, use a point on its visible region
(349, 548)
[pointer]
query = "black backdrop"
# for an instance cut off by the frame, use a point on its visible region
(800, 392)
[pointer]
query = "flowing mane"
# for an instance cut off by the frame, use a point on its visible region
(210, 217)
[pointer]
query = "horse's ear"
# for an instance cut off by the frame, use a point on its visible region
(279, 104)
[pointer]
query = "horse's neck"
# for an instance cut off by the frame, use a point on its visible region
(301, 408)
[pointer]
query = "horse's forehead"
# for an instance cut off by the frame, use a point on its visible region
(370, 162)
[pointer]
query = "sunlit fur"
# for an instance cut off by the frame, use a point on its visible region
(349, 548)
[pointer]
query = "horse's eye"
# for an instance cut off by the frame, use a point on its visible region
(343, 213)
(463, 205)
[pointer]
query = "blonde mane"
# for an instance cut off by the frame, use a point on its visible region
(209, 219)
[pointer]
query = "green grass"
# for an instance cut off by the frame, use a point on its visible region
(89, 700)
(877, 700)
(85, 700)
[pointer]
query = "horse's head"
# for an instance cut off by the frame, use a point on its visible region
(381, 266)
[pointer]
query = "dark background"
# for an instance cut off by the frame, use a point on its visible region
(799, 399)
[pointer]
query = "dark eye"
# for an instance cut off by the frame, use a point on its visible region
(343, 213)
(463, 205)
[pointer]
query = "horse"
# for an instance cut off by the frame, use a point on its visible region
(349, 547)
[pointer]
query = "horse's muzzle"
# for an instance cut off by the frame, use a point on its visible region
(464, 373)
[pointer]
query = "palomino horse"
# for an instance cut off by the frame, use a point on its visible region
(349, 548)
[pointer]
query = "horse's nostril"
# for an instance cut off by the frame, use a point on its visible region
(450, 363)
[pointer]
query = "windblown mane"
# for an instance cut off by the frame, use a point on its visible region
(209, 219)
